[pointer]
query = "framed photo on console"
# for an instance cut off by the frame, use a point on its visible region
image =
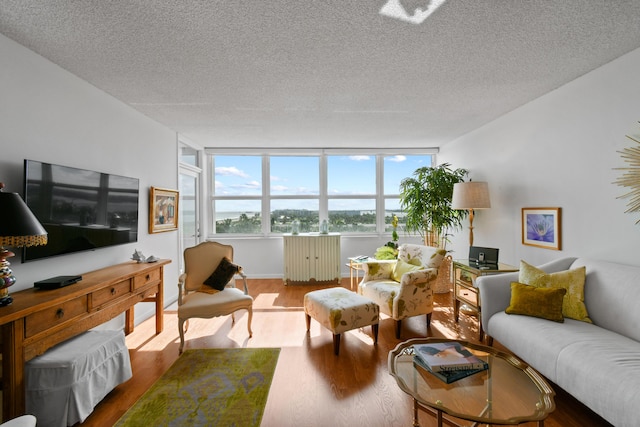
(541, 227)
(163, 210)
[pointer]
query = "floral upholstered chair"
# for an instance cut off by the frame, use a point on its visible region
(403, 287)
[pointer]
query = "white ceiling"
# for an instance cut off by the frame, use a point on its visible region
(324, 73)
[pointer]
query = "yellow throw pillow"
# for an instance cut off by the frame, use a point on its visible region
(573, 281)
(402, 267)
(545, 303)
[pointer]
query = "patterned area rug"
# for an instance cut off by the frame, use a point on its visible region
(208, 387)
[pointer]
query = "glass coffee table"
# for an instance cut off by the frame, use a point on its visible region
(509, 392)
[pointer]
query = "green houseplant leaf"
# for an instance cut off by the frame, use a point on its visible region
(425, 198)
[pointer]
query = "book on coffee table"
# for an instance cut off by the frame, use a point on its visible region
(448, 356)
(446, 376)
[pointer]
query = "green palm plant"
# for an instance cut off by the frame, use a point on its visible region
(425, 198)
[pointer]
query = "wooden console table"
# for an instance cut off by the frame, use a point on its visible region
(39, 319)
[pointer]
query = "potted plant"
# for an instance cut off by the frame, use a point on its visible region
(425, 198)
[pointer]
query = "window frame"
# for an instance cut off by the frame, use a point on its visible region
(323, 197)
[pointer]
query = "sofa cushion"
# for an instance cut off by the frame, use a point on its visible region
(545, 303)
(607, 376)
(573, 281)
(221, 275)
(402, 267)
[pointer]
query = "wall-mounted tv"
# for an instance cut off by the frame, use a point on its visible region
(80, 209)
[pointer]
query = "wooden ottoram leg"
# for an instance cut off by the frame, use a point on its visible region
(308, 319)
(374, 329)
(336, 344)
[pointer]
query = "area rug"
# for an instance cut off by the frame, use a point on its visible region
(208, 387)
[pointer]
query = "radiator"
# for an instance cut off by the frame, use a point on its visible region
(311, 257)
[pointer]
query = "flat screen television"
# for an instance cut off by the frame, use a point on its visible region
(81, 209)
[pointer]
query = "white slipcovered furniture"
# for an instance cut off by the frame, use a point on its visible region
(341, 310)
(403, 287)
(64, 384)
(599, 362)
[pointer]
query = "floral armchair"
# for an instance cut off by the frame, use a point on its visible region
(403, 287)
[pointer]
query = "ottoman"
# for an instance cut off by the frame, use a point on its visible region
(340, 310)
(64, 384)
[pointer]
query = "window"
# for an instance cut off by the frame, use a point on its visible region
(294, 192)
(356, 193)
(237, 194)
(351, 193)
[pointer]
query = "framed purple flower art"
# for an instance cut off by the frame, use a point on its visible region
(541, 227)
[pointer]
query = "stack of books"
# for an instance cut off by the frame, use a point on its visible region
(449, 361)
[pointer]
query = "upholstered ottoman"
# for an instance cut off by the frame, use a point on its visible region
(65, 383)
(341, 310)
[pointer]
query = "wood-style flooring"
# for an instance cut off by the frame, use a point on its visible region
(311, 386)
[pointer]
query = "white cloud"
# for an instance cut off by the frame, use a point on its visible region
(397, 159)
(359, 158)
(231, 171)
(279, 188)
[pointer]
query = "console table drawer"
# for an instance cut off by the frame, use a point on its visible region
(148, 293)
(111, 293)
(144, 279)
(49, 318)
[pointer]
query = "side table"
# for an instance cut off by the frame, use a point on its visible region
(464, 285)
(355, 267)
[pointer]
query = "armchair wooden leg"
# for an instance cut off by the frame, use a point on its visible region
(398, 328)
(181, 330)
(308, 320)
(249, 318)
(429, 320)
(336, 344)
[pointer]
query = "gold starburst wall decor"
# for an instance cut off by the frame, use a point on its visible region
(631, 176)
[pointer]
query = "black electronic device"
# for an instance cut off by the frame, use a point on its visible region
(483, 256)
(80, 209)
(57, 282)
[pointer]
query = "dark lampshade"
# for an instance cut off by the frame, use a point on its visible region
(18, 227)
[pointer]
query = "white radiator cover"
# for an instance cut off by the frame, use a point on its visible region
(311, 257)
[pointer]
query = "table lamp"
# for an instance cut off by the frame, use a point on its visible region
(470, 196)
(18, 227)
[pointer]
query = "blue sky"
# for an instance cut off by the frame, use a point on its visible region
(299, 176)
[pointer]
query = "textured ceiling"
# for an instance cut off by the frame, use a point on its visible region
(324, 73)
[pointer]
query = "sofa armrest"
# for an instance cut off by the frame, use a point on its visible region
(495, 294)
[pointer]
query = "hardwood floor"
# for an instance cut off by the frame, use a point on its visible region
(311, 386)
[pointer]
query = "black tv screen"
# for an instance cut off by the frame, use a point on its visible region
(80, 209)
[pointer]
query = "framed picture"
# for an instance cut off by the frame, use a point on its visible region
(541, 227)
(163, 210)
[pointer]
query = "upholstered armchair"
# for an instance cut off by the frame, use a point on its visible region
(403, 287)
(207, 289)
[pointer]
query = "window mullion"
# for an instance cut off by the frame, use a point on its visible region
(266, 195)
(323, 202)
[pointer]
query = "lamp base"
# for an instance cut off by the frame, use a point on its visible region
(6, 277)
(6, 300)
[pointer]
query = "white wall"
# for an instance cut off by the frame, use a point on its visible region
(559, 151)
(50, 115)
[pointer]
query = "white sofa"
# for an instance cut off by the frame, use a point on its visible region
(598, 363)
